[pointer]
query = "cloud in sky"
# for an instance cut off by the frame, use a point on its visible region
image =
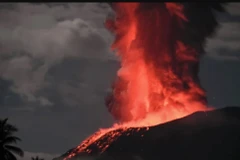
(233, 8)
(225, 44)
(33, 38)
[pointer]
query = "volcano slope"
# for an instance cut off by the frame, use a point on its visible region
(206, 135)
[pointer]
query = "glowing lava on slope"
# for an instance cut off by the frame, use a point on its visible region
(158, 79)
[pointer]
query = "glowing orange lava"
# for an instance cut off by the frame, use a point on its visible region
(158, 80)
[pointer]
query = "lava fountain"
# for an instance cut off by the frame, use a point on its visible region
(158, 79)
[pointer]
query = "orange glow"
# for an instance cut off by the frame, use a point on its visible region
(157, 81)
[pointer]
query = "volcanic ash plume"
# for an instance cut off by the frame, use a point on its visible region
(159, 45)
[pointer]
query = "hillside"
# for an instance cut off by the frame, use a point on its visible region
(200, 136)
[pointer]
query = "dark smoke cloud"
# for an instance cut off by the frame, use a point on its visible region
(201, 24)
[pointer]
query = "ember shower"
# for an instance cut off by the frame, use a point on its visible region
(159, 46)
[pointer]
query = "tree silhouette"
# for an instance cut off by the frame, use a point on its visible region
(37, 158)
(7, 150)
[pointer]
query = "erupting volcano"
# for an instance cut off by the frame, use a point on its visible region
(158, 79)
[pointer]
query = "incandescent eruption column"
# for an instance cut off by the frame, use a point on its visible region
(159, 46)
(158, 79)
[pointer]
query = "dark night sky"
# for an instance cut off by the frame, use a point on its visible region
(56, 68)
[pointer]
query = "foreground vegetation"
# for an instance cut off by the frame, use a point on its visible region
(8, 140)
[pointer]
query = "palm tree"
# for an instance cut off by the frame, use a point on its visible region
(7, 150)
(37, 158)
